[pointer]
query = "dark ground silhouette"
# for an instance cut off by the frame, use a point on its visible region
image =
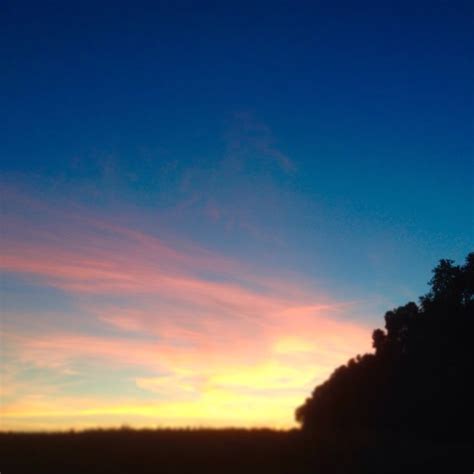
(223, 451)
(406, 408)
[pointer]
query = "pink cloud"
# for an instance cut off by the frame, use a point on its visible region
(210, 324)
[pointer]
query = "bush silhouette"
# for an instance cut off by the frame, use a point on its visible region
(418, 381)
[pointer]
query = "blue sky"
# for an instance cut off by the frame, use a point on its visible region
(319, 152)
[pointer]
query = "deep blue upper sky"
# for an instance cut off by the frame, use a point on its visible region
(330, 138)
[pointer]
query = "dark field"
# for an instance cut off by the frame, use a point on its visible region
(221, 451)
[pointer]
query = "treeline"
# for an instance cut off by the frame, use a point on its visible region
(418, 383)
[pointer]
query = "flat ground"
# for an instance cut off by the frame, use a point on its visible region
(219, 451)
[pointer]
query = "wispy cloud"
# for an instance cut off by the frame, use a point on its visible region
(252, 139)
(223, 188)
(211, 333)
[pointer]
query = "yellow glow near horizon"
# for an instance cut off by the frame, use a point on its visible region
(149, 341)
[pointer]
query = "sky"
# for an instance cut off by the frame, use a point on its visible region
(207, 207)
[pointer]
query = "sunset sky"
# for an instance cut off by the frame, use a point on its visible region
(208, 206)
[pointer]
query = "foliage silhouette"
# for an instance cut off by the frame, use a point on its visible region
(418, 381)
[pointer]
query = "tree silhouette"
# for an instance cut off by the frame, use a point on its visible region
(418, 381)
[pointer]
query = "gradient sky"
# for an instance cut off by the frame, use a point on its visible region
(208, 206)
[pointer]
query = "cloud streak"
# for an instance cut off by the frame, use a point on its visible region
(207, 335)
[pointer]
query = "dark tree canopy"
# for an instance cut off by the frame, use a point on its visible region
(418, 381)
